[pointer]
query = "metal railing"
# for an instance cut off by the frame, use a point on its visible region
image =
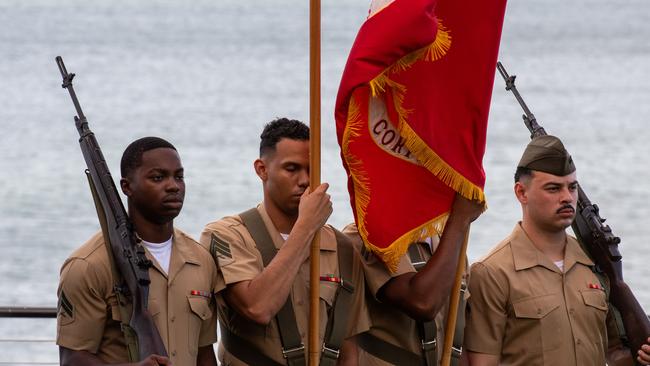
(26, 312)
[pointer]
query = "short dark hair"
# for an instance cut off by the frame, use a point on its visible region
(281, 128)
(132, 156)
(522, 172)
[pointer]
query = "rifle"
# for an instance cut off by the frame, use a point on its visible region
(597, 239)
(128, 255)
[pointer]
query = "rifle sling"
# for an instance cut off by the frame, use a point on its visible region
(459, 331)
(337, 322)
(428, 330)
(130, 336)
(292, 346)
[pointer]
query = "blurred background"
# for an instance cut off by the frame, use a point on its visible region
(208, 75)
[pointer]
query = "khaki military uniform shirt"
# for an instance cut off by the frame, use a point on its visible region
(239, 260)
(531, 313)
(180, 302)
(389, 323)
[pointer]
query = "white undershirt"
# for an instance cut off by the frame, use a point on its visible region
(161, 251)
(284, 236)
(560, 264)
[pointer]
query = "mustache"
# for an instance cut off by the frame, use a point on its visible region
(567, 206)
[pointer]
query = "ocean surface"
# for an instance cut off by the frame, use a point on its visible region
(207, 75)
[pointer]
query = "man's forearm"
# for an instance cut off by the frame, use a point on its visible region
(262, 297)
(421, 295)
(426, 291)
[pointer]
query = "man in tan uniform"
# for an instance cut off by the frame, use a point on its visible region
(535, 299)
(255, 327)
(183, 277)
(408, 308)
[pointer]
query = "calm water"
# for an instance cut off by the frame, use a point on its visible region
(208, 74)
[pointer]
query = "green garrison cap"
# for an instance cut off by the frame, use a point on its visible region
(547, 154)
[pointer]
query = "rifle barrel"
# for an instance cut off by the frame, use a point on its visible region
(529, 118)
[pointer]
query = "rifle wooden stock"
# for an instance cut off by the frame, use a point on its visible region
(129, 256)
(602, 246)
(598, 241)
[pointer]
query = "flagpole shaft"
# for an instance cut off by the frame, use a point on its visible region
(454, 300)
(314, 174)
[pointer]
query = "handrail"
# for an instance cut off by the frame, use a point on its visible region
(27, 312)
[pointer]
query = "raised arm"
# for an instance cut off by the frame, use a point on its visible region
(422, 294)
(262, 297)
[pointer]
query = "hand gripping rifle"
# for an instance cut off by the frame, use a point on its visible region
(597, 239)
(128, 255)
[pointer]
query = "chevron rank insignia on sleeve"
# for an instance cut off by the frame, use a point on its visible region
(65, 310)
(221, 250)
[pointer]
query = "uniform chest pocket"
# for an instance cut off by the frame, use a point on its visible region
(595, 305)
(595, 299)
(327, 291)
(199, 313)
(200, 307)
(535, 307)
(538, 322)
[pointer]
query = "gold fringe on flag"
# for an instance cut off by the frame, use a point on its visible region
(424, 154)
(435, 51)
(359, 177)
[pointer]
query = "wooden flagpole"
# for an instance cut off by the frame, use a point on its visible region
(314, 175)
(454, 299)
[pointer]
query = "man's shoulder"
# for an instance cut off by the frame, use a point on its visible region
(192, 245)
(351, 232)
(228, 223)
(92, 251)
(88, 264)
(500, 256)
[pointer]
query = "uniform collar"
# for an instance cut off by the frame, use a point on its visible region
(574, 254)
(181, 253)
(278, 241)
(526, 255)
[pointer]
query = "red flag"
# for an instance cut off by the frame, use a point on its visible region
(411, 116)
